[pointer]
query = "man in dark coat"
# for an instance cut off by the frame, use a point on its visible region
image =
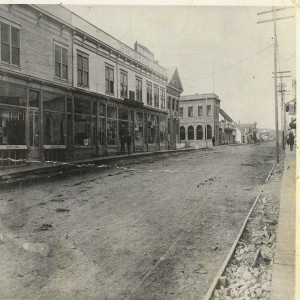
(291, 140)
(213, 140)
(123, 140)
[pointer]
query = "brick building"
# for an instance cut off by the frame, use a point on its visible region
(199, 120)
(69, 90)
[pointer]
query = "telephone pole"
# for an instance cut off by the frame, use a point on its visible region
(274, 19)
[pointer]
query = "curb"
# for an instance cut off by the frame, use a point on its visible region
(16, 175)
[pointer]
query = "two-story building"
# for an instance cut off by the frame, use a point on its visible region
(227, 129)
(69, 90)
(199, 120)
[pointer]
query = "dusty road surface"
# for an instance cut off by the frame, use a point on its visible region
(157, 227)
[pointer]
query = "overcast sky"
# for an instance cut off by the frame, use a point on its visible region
(194, 38)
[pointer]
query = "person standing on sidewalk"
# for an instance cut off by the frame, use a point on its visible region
(291, 140)
(213, 141)
(123, 140)
(128, 142)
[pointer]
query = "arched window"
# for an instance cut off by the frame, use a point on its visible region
(190, 133)
(182, 133)
(199, 131)
(208, 132)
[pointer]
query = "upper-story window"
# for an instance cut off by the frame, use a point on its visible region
(82, 69)
(173, 104)
(109, 79)
(190, 111)
(139, 90)
(169, 102)
(156, 96)
(208, 110)
(200, 111)
(149, 93)
(181, 112)
(61, 62)
(10, 44)
(124, 84)
(162, 98)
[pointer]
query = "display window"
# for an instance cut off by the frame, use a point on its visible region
(54, 119)
(82, 123)
(12, 115)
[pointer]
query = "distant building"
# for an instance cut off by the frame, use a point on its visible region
(174, 90)
(246, 133)
(227, 129)
(199, 120)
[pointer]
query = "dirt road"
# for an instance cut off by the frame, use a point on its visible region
(156, 227)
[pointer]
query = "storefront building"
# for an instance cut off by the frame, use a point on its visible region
(199, 120)
(174, 90)
(68, 94)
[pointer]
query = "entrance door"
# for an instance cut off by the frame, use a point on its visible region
(34, 134)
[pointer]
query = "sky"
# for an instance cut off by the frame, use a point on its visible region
(204, 40)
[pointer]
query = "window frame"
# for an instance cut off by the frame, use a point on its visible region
(17, 27)
(62, 47)
(124, 84)
(190, 111)
(139, 92)
(149, 93)
(156, 96)
(200, 108)
(208, 111)
(110, 83)
(180, 112)
(162, 98)
(84, 56)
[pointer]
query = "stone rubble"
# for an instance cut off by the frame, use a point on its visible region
(248, 274)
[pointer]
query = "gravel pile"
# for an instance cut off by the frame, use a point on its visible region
(249, 272)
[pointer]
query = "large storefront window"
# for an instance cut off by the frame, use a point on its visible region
(54, 107)
(111, 125)
(12, 115)
(82, 123)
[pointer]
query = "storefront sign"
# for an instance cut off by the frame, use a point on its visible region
(49, 147)
(133, 103)
(141, 59)
(13, 147)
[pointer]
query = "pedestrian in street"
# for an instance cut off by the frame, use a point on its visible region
(213, 141)
(128, 142)
(123, 140)
(291, 140)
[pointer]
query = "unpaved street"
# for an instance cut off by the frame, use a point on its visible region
(156, 227)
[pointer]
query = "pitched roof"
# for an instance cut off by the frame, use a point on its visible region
(224, 115)
(174, 79)
(199, 96)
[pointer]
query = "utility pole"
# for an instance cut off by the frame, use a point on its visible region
(274, 19)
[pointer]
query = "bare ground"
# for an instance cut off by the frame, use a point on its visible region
(157, 227)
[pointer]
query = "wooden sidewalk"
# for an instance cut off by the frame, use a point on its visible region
(283, 279)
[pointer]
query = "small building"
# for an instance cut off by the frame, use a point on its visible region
(227, 129)
(199, 120)
(246, 133)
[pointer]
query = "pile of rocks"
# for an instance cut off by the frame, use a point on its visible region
(249, 272)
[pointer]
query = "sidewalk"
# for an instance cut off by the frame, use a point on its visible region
(283, 279)
(19, 172)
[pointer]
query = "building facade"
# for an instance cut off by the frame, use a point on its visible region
(68, 90)
(199, 120)
(227, 129)
(246, 133)
(174, 90)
